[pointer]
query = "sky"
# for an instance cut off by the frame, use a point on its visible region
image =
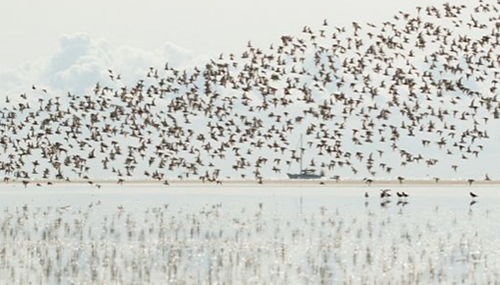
(69, 45)
(60, 44)
(31, 29)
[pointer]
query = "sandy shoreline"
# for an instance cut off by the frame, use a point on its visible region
(273, 182)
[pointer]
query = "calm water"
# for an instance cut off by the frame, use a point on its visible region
(148, 234)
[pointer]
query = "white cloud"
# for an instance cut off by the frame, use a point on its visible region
(82, 61)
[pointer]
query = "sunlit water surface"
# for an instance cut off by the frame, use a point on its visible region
(149, 234)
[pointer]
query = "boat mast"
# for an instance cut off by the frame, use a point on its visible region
(301, 153)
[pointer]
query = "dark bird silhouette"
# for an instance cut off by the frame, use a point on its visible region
(358, 93)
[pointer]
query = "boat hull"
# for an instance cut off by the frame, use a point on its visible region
(304, 176)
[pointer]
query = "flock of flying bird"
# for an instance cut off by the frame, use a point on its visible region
(369, 99)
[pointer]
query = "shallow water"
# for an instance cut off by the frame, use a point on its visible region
(148, 234)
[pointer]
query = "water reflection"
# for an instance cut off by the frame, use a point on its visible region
(303, 237)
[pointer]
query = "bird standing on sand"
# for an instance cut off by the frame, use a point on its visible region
(385, 193)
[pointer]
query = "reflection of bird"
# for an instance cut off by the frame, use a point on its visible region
(402, 203)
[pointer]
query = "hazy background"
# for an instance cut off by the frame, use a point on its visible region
(69, 45)
(32, 30)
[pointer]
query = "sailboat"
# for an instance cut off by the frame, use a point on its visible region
(304, 173)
